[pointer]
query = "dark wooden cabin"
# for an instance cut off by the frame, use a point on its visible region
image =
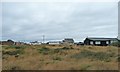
(99, 41)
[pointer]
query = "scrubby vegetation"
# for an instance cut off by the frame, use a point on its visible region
(46, 51)
(58, 57)
(116, 44)
(14, 47)
(13, 52)
(103, 56)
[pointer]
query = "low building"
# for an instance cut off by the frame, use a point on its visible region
(8, 42)
(80, 43)
(35, 43)
(99, 41)
(19, 43)
(68, 41)
(54, 42)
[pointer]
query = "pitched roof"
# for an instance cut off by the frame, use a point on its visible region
(54, 41)
(101, 39)
(68, 39)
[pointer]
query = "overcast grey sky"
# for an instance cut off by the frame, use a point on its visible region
(27, 21)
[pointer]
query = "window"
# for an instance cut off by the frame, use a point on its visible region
(107, 42)
(91, 42)
(97, 42)
(112, 41)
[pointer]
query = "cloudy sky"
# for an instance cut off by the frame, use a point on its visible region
(29, 21)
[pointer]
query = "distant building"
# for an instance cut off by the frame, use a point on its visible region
(68, 41)
(19, 43)
(35, 43)
(8, 42)
(54, 42)
(99, 41)
(79, 43)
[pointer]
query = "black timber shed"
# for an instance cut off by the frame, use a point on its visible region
(99, 41)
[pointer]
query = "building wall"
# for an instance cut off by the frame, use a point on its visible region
(53, 43)
(99, 43)
(69, 41)
(19, 43)
(86, 41)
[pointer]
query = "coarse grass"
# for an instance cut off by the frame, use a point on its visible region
(46, 51)
(58, 57)
(14, 47)
(93, 55)
(117, 44)
(13, 52)
(84, 66)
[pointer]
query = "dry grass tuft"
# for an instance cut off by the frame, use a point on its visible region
(59, 57)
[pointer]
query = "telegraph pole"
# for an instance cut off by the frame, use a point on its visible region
(43, 39)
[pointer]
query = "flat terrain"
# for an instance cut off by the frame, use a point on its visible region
(59, 57)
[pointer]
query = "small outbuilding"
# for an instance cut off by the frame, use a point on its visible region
(99, 41)
(68, 41)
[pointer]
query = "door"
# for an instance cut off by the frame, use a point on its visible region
(103, 43)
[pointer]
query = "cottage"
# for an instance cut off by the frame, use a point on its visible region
(99, 41)
(68, 41)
